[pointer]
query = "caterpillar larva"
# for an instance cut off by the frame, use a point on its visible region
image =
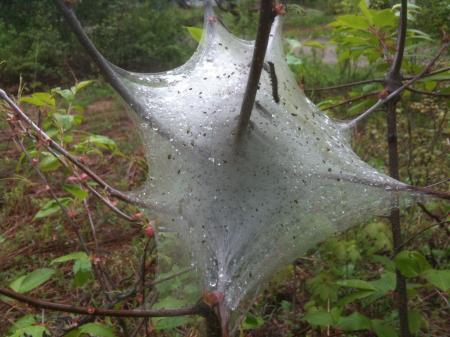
(274, 81)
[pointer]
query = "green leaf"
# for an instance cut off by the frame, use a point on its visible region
(97, 330)
(385, 283)
(170, 322)
(51, 207)
(80, 86)
(384, 18)
(39, 99)
(71, 257)
(320, 318)
(415, 321)
(76, 191)
(66, 94)
(383, 329)
(162, 323)
(64, 121)
(411, 263)
(73, 333)
(357, 284)
(418, 34)
(354, 322)
(82, 270)
(31, 331)
(196, 33)
(252, 322)
(32, 280)
(438, 278)
(355, 296)
(48, 162)
(351, 21)
(430, 85)
(387, 263)
(22, 322)
(314, 44)
(102, 142)
(365, 10)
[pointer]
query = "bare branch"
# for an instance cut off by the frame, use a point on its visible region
(347, 85)
(91, 311)
(266, 18)
(351, 100)
(428, 93)
(375, 80)
(440, 71)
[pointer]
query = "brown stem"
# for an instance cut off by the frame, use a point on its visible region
(428, 93)
(266, 18)
(400, 289)
(376, 80)
(90, 311)
(393, 83)
(347, 85)
(432, 73)
(351, 100)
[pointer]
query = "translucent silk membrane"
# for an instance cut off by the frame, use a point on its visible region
(243, 210)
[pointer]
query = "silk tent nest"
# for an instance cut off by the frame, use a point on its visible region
(241, 212)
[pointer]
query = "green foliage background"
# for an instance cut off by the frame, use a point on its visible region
(143, 35)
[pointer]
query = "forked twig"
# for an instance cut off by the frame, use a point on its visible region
(398, 91)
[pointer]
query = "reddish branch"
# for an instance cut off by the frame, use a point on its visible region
(91, 311)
